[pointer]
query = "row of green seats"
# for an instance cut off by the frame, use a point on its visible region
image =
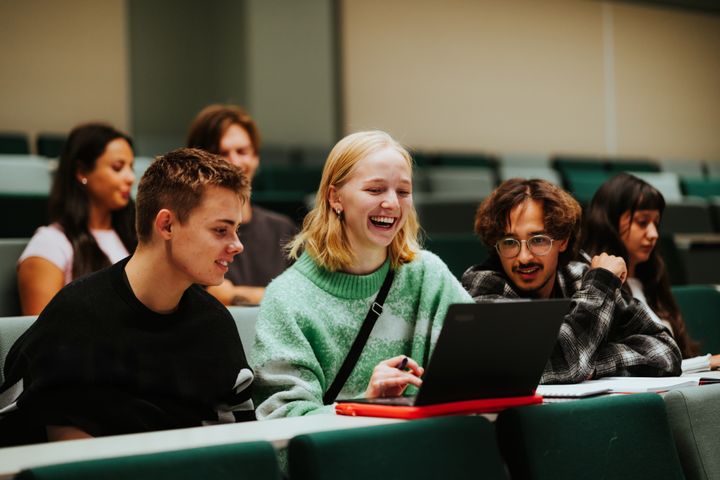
(613, 437)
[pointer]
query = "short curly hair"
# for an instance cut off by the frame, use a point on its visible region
(562, 213)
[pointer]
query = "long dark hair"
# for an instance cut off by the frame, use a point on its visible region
(601, 233)
(69, 202)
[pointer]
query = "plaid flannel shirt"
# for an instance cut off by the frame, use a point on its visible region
(606, 332)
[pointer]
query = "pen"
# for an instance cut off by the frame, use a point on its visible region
(402, 364)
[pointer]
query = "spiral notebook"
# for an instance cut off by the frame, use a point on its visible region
(492, 354)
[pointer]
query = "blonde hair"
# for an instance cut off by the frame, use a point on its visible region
(323, 235)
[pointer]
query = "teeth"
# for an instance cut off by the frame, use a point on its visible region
(388, 220)
(223, 263)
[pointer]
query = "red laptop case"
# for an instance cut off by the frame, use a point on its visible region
(485, 405)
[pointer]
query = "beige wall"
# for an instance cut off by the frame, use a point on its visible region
(62, 62)
(558, 75)
(668, 82)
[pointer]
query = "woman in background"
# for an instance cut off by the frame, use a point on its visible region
(361, 234)
(623, 219)
(91, 212)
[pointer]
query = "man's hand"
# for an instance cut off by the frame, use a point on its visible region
(614, 264)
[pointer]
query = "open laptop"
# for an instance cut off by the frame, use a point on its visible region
(484, 351)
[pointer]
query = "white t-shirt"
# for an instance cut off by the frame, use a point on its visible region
(51, 244)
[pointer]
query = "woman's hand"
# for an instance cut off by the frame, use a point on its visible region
(715, 362)
(390, 377)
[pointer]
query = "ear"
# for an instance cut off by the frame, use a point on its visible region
(80, 175)
(334, 199)
(562, 245)
(164, 221)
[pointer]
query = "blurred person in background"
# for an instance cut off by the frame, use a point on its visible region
(229, 131)
(623, 219)
(91, 212)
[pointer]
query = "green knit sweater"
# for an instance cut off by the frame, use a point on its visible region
(309, 318)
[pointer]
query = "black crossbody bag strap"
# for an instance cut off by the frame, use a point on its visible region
(357, 347)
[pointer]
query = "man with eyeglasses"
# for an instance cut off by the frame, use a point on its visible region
(531, 227)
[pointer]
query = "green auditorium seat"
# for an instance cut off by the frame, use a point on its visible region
(701, 187)
(690, 215)
(713, 168)
(437, 448)
(292, 178)
(10, 250)
(14, 143)
(314, 155)
(694, 419)
(10, 330)
(667, 183)
(50, 144)
(242, 461)
(472, 160)
(459, 182)
(692, 168)
(700, 256)
(576, 163)
(700, 307)
(584, 184)
(439, 214)
(294, 204)
(622, 164)
(22, 214)
(672, 258)
(26, 177)
(609, 438)
(458, 251)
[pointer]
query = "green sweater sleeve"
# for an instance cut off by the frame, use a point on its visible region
(304, 332)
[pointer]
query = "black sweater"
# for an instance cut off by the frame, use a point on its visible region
(99, 360)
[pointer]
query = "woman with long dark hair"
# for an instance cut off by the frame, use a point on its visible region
(91, 212)
(623, 219)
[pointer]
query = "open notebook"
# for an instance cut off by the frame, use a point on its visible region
(488, 356)
(617, 385)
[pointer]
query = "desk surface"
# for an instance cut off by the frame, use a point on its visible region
(278, 432)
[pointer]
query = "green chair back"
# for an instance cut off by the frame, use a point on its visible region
(694, 419)
(611, 438)
(50, 144)
(701, 187)
(10, 250)
(700, 307)
(584, 184)
(443, 447)
(15, 143)
(458, 251)
(242, 461)
(10, 330)
(22, 214)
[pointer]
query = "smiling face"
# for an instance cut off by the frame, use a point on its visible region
(236, 147)
(639, 234)
(375, 202)
(201, 248)
(532, 274)
(109, 182)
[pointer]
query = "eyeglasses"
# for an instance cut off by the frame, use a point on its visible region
(509, 247)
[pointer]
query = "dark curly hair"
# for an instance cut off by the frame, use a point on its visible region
(561, 211)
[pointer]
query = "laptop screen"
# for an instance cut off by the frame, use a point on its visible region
(491, 350)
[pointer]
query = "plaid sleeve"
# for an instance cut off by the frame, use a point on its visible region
(604, 334)
(487, 285)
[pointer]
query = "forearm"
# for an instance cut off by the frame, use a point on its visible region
(56, 433)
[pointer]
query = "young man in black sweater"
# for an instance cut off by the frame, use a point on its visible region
(140, 346)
